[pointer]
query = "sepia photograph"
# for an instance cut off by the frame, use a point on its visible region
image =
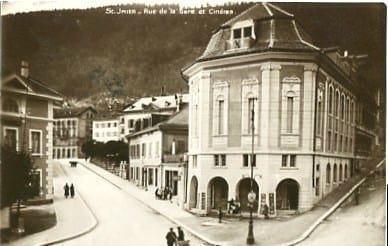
(182, 123)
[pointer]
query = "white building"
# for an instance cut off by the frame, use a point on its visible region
(149, 111)
(304, 99)
(105, 130)
(156, 156)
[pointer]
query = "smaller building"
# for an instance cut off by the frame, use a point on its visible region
(156, 156)
(105, 130)
(72, 128)
(148, 111)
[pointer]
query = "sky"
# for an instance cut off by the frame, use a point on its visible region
(19, 6)
(12, 7)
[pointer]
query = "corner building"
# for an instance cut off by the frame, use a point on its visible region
(304, 99)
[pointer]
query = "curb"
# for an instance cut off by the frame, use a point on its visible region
(310, 230)
(196, 234)
(70, 237)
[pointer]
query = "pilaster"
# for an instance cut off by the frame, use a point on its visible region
(308, 107)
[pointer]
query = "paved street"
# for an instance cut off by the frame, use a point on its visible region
(356, 225)
(122, 220)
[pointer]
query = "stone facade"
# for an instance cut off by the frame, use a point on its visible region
(304, 118)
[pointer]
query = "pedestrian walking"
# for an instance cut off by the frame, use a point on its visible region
(170, 195)
(181, 234)
(157, 194)
(72, 192)
(357, 195)
(66, 188)
(265, 211)
(171, 237)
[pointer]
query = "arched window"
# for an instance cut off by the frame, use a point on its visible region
(348, 109)
(10, 105)
(336, 103)
(331, 100)
(343, 107)
(346, 172)
(340, 172)
(335, 173)
(328, 173)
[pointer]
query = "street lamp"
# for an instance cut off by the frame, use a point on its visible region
(251, 194)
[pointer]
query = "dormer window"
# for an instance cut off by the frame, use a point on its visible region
(242, 35)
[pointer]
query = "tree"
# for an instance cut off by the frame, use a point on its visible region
(16, 180)
(88, 148)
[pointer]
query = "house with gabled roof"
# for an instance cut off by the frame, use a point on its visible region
(148, 111)
(27, 109)
(157, 156)
(264, 96)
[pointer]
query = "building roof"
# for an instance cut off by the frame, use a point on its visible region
(178, 121)
(274, 28)
(28, 85)
(156, 103)
(71, 111)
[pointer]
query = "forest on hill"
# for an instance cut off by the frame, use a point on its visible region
(82, 53)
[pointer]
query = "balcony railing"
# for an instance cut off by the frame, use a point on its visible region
(239, 43)
(173, 158)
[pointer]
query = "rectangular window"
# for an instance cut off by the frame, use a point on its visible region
(221, 117)
(237, 33)
(247, 32)
(143, 150)
(292, 160)
(284, 160)
(319, 118)
(290, 112)
(36, 141)
(245, 160)
(223, 160)
(108, 125)
(145, 123)
(216, 161)
(11, 137)
(150, 176)
(329, 141)
(335, 142)
(340, 144)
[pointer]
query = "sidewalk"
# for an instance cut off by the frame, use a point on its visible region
(73, 217)
(232, 231)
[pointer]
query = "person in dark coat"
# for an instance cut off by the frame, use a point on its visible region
(66, 188)
(72, 190)
(265, 211)
(181, 234)
(157, 193)
(171, 237)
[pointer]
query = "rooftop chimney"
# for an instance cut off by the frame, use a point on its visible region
(24, 69)
(178, 99)
(162, 93)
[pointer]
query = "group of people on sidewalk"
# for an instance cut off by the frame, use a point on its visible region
(163, 193)
(69, 189)
(179, 240)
